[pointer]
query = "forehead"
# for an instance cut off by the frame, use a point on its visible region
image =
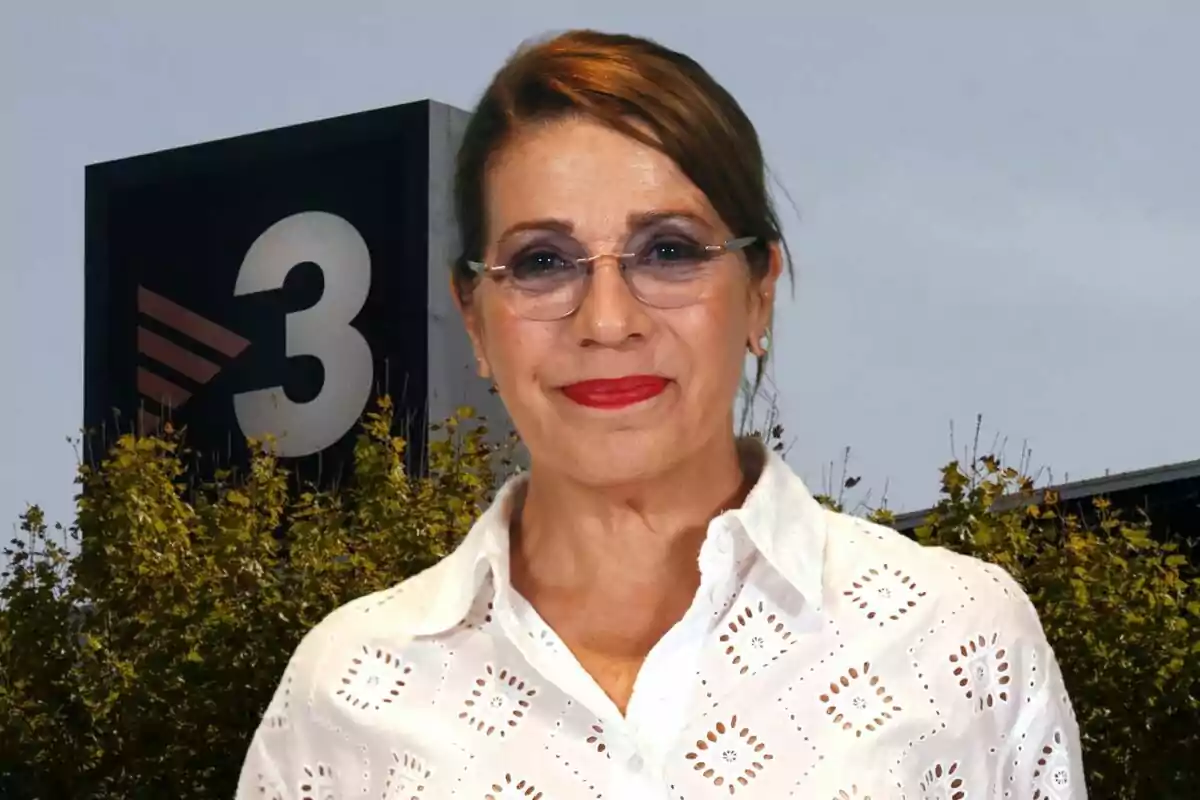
(587, 174)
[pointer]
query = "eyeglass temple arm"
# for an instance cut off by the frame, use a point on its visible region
(479, 268)
(733, 244)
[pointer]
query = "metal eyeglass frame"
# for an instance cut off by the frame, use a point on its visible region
(498, 271)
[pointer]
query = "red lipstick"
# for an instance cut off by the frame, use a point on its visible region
(615, 392)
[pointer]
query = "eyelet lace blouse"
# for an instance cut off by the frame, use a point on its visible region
(822, 657)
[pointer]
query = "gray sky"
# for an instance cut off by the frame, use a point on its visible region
(999, 212)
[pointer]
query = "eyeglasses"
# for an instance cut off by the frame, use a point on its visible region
(548, 282)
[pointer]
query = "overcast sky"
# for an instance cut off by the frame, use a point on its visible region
(999, 213)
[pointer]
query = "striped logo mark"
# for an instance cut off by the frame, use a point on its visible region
(167, 394)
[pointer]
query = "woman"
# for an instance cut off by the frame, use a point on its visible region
(658, 610)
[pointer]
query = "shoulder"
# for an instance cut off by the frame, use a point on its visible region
(852, 541)
(351, 663)
(949, 595)
(968, 640)
(964, 625)
(431, 602)
(353, 620)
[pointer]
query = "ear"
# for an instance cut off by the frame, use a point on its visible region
(473, 322)
(762, 302)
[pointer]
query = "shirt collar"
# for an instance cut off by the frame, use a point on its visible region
(780, 517)
(785, 523)
(439, 598)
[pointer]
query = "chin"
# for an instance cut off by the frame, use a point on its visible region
(614, 458)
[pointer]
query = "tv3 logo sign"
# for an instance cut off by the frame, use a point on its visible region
(322, 331)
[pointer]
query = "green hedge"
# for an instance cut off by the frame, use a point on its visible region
(139, 645)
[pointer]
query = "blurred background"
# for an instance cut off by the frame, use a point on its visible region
(993, 211)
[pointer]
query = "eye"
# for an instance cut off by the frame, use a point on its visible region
(674, 252)
(540, 263)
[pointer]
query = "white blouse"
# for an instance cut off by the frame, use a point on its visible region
(822, 657)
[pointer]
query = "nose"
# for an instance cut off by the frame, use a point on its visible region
(610, 315)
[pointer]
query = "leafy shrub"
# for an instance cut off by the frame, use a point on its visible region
(139, 666)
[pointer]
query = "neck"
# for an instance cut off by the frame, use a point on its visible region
(613, 540)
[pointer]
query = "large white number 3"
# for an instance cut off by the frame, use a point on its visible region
(322, 331)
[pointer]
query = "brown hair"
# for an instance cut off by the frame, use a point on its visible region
(614, 79)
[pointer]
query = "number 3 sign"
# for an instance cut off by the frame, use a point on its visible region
(266, 286)
(322, 331)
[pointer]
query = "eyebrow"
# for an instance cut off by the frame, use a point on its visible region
(635, 221)
(545, 224)
(647, 218)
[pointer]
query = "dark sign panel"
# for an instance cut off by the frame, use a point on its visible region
(267, 285)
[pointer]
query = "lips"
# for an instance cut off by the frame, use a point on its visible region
(615, 392)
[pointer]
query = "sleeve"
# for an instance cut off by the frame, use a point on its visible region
(296, 753)
(1041, 754)
(1044, 747)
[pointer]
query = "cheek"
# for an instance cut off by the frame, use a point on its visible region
(514, 348)
(713, 336)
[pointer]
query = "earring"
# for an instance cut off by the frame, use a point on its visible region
(764, 342)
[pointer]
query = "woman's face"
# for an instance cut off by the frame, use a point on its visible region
(575, 181)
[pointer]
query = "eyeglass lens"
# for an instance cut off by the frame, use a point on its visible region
(548, 275)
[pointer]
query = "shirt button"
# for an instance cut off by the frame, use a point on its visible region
(635, 763)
